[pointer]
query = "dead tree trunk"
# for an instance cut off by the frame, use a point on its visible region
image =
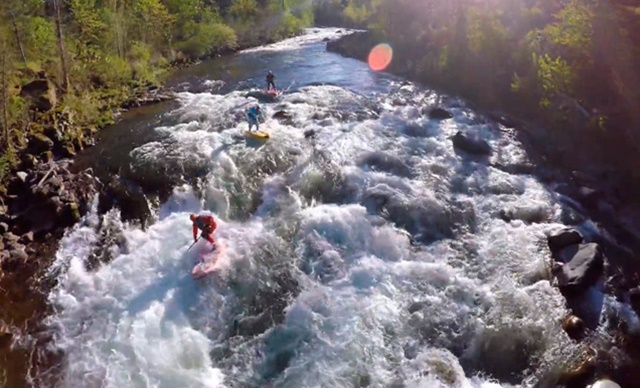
(17, 34)
(63, 61)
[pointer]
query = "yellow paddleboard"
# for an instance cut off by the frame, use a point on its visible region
(258, 135)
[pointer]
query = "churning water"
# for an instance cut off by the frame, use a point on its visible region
(362, 249)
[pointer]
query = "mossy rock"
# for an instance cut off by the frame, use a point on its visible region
(39, 143)
(73, 211)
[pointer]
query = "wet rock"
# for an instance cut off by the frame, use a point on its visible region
(41, 93)
(281, 115)
(309, 133)
(128, 197)
(584, 267)
(516, 168)
(470, 145)
(574, 327)
(326, 40)
(439, 114)
(563, 238)
(416, 306)
(4, 227)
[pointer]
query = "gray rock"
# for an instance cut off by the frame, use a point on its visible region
(563, 238)
(4, 227)
(470, 145)
(27, 237)
(22, 176)
(10, 237)
(19, 254)
(584, 267)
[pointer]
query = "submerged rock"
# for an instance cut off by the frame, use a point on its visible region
(382, 161)
(439, 114)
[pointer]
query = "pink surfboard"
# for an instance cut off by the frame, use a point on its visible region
(274, 93)
(208, 261)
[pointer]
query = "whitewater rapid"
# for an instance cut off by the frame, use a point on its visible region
(362, 250)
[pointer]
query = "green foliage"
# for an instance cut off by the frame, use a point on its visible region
(573, 30)
(7, 161)
(113, 47)
(208, 39)
(555, 74)
(40, 38)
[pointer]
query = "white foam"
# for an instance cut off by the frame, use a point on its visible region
(373, 306)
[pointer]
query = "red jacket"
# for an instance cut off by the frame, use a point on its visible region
(204, 223)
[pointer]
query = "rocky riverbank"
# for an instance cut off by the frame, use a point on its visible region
(582, 267)
(40, 199)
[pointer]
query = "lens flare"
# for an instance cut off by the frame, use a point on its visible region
(380, 57)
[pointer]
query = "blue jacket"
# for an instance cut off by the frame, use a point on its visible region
(253, 113)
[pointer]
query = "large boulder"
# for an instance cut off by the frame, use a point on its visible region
(41, 93)
(471, 145)
(563, 238)
(584, 267)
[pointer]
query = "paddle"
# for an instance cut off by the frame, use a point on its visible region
(194, 243)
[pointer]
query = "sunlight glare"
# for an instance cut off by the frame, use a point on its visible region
(380, 57)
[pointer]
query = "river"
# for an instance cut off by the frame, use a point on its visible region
(361, 248)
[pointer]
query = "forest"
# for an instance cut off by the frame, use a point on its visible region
(569, 65)
(67, 65)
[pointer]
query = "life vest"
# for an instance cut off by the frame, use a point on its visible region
(203, 222)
